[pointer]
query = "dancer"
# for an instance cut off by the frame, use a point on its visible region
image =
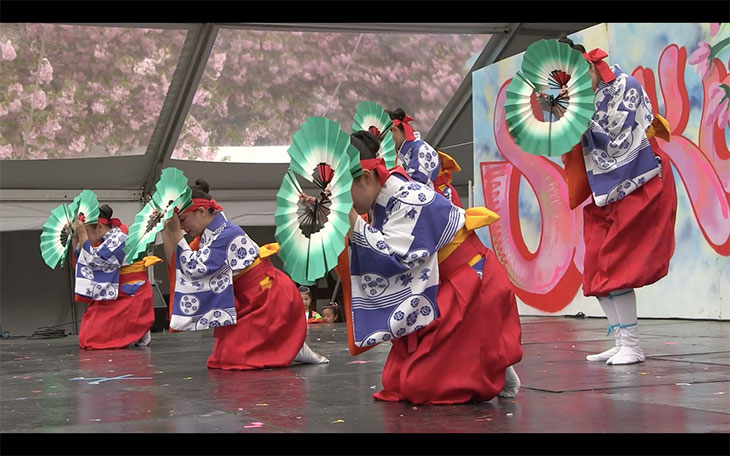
(418, 158)
(119, 295)
(420, 250)
(270, 329)
(629, 224)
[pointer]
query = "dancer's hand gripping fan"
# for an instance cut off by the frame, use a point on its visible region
(311, 230)
(171, 193)
(542, 117)
(370, 116)
(87, 207)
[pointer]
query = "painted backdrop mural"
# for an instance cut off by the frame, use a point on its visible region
(539, 239)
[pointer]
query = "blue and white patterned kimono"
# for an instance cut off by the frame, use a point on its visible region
(394, 263)
(420, 160)
(616, 152)
(97, 268)
(204, 278)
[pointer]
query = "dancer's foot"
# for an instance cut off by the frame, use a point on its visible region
(511, 383)
(145, 340)
(307, 356)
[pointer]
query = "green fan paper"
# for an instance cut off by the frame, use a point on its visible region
(87, 204)
(56, 235)
(311, 236)
(549, 64)
(171, 192)
(370, 114)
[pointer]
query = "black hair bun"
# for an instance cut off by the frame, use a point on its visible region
(397, 113)
(202, 185)
(106, 211)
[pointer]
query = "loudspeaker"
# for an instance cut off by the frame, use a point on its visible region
(162, 321)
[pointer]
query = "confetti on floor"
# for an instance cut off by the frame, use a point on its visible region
(255, 424)
(510, 414)
(262, 405)
(188, 378)
(338, 421)
(721, 392)
(682, 384)
(359, 362)
(643, 373)
(670, 343)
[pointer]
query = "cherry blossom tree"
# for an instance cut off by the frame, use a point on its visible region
(69, 91)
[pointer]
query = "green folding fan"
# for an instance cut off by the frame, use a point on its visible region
(171, 192)
(370, 114)
(56, 235)
(546, 66)
(312, 235)
(86, 207)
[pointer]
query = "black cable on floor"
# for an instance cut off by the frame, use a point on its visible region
(46, 332)
(50, 332)
(578, 315)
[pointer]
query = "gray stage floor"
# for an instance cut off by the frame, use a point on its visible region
(683, 387)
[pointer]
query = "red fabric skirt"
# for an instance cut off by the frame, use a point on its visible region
(118, 323)
(629, 243)
(270, 328)
(463, 354)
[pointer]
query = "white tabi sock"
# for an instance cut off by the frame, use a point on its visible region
(511, 383)
(630, 352)
(609, 309)
(307, 356)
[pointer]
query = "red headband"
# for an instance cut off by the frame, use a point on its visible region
(378, 164)
(114, 222)
(596, 56)
(204, 203)
(375, 131)
(407, 129)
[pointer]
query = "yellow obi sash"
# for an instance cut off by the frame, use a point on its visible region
(140, 265)
(265, 251)
(476, 217)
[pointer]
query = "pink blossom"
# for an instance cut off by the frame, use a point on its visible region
(218, 61)
(714, 28)
(701, 58)
(202, 97)
(15, 88)
(3, 111)
(133, 124)
(718, 104)
(78, 145)
(38, 100)
(8, 51)
(6, 150)
(221, 108)
(15, 106)
(45, 74)
(146, 66)
(30, 136)
(50, 128)
(118, 93)
(98, 107)
(99, 51)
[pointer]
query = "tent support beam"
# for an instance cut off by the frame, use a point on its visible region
(186, 78)
(490, 54)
